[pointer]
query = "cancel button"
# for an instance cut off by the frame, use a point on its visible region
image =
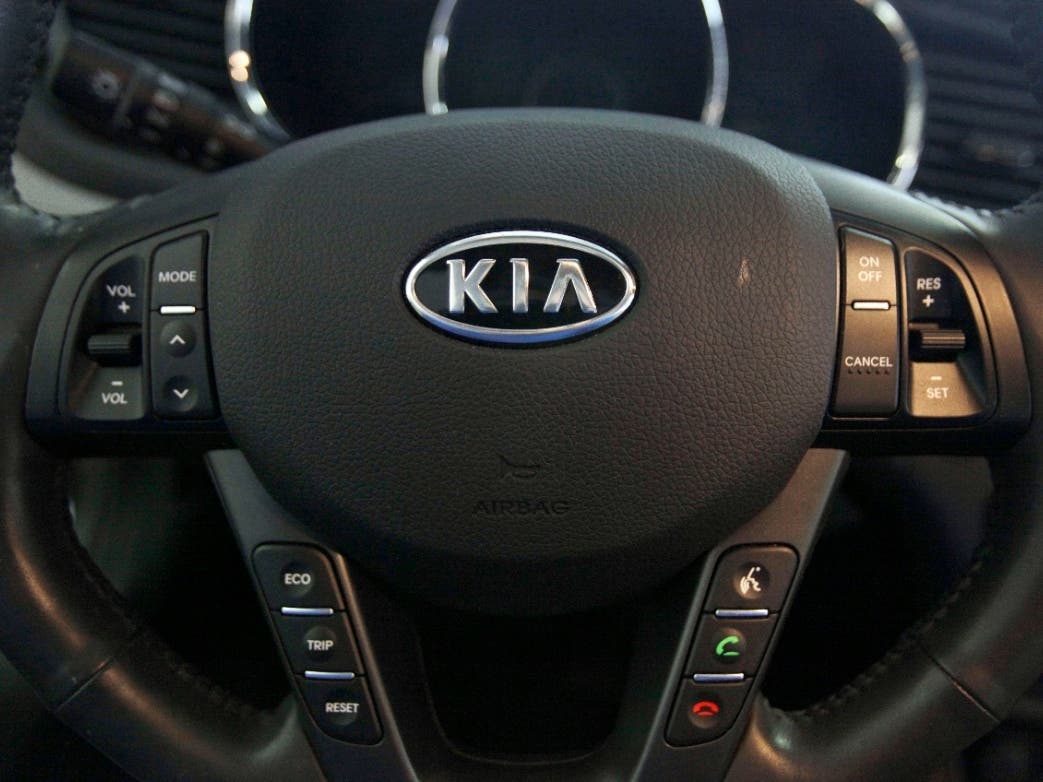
(867, 373)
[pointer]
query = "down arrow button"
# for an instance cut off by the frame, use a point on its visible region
(180, 394)
(181, 386)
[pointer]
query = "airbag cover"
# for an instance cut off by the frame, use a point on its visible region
(525, 479)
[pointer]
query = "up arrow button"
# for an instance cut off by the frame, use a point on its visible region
(181, 384)
(178, 338)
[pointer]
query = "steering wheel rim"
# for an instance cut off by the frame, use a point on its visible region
(88, 655)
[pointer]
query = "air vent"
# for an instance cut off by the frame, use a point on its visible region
(984, 132)
(185, 37)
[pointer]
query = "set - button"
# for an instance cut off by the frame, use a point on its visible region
(749, 588)
(313, 626)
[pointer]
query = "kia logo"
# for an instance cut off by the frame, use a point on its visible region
(520, 287)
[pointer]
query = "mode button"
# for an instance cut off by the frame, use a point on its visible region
(177, 272)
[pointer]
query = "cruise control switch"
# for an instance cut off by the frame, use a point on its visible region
(867, 371)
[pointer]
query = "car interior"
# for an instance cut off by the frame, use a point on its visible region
(559, 390)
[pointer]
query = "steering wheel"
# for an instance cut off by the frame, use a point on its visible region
(520, 363)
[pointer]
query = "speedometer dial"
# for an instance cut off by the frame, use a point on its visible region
(661, 58)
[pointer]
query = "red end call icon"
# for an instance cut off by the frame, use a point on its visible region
(706, 709)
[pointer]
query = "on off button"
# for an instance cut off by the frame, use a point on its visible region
(869, 273)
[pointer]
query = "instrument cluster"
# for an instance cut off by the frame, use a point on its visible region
(840, 81)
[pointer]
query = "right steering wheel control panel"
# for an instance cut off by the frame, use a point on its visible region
(914, 348)
(748, 590)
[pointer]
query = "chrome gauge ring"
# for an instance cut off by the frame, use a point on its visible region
(440, 39)
(911, 141)
(239, 59)
(439, 43)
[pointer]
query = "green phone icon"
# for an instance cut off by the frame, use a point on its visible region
(722, 649)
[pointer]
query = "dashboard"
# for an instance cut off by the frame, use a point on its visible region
(890, 89)
(841, 82)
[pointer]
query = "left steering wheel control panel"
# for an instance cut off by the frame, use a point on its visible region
(314, 629)
(134, 354)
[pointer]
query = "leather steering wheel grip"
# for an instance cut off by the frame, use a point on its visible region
(948, 681)
(958, 672)
(61, 624)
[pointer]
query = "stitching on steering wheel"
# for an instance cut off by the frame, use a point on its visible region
(203, 686)
(1027, 22)
(232, 704)
(88, 571)
(11, 115)
(909, 640)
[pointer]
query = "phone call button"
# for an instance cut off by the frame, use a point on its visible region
(702, 712)
(730, 646)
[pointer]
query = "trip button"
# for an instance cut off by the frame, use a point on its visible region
(728, 646)
(869, 268)
(318, 643)
(867, 372)
(296, 576)
(752, 577)
(343, 709)
(177, 272)
(702, 713)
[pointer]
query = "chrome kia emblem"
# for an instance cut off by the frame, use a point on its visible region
(520, 287)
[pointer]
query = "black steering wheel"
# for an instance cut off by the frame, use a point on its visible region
(524, 363)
